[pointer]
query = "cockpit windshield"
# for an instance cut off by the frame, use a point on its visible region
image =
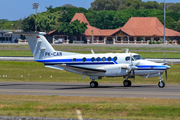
(137, 57)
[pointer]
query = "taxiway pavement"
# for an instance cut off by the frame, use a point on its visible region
(83, 89)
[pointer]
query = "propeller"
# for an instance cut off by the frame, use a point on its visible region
(166, 74)
(134, 76)
(164, 55)
(132, 68)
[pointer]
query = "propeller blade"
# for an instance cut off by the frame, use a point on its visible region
(134, 76)
(164, 55)
(131, 59)
(166, 74)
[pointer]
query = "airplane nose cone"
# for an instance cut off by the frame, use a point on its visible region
(167, 67)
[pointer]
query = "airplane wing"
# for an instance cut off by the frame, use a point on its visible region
(75, 69)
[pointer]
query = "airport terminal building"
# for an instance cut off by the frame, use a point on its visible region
(9, 38)
(138, 30)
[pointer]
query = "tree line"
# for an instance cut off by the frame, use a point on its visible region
(109, 14)
(117, 5)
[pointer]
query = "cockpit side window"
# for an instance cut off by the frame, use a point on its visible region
(137, 57)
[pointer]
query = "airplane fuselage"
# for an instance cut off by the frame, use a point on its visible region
(112, 63)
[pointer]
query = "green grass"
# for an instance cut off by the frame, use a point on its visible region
(89, 47)
(91, 107)
(15, 53)
(14, 71)
(24, 50)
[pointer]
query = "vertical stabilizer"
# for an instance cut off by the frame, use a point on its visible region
(39, 46)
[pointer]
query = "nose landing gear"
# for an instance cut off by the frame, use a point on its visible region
(161, 84)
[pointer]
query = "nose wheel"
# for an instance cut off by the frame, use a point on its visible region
(127, 83)
(161, 84)
(93, 84)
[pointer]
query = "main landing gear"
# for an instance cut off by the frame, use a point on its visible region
(127, 83)
(93, 84)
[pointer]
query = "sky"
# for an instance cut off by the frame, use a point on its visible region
(19, 9)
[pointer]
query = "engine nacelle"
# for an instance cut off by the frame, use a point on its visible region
(115, 70)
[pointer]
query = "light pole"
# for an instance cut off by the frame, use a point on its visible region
(35, 6)
(164, 22)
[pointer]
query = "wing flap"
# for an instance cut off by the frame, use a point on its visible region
(81, 69)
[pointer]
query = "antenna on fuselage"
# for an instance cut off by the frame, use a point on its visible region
(92, 51)
(127, 51)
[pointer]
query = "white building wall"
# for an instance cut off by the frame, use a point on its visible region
(7, 38)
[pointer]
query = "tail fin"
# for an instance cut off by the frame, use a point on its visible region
(40, 47)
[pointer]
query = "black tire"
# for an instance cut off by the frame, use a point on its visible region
(161, 84)
(127, 83)
(96, 84)
(93, 84)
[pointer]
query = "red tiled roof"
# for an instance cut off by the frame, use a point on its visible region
(51, 32)
(146, 26)
(81, 17)
(96, 32)
(136, 26)
(99, 32)
(109, 32)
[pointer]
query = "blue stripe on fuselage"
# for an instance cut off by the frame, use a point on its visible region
(89, 62)
(77, 62)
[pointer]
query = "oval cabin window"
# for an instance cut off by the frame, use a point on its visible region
(84, 59)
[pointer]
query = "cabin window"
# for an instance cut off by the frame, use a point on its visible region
(115, 58)
(84, 59)
(109, 58)
(98, 59)
(92, 59)
(74, 59)
(128, 59)
(104, 59)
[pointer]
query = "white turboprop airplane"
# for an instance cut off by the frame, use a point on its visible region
(126, 65)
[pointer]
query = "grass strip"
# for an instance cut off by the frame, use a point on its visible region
(36, 72)
(91, 107)
(94, 47)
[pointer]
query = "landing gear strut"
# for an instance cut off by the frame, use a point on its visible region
(161, 84)
(93, 84)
